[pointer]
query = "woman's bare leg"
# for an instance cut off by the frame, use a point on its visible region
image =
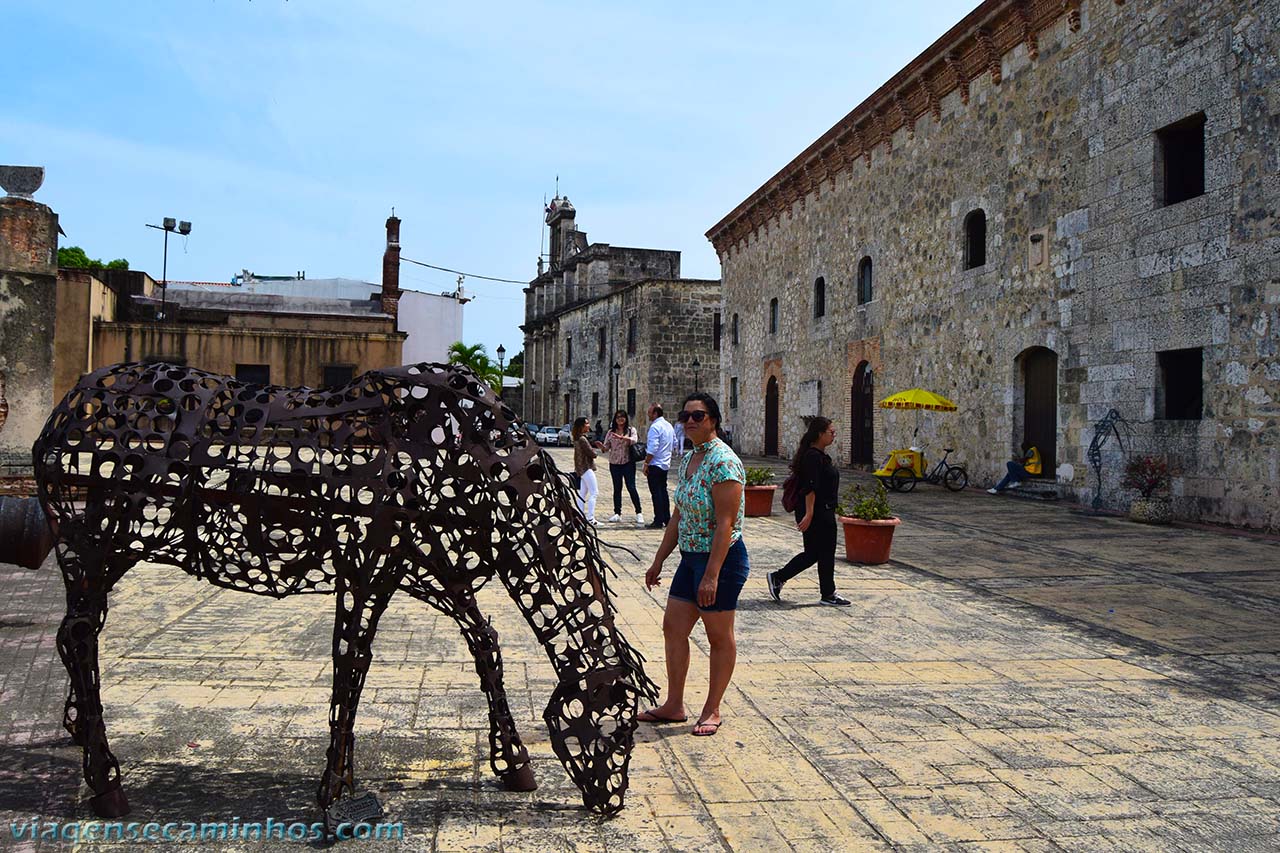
(677, 623)
(724, 655)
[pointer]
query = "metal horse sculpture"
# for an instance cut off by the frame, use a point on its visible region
(414, 479)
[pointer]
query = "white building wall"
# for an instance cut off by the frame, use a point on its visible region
(432, 321)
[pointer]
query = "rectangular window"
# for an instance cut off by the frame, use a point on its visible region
(254, 374)
(631, 335)
(600, 343)
(1180, 160)
(1180, 388)
(337, 374)
(733, 392)
(595, 403)
(631, 402)
(773, 316)
(568, 351)
(735, 330)
(715, 332)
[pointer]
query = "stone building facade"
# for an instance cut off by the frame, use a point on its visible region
(609, 327)
(1058, 209)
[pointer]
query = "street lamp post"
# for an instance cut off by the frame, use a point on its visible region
(502, 373)
(697, 365)
(170, 225)
(532, 401)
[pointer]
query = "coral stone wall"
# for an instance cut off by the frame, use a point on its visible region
(1083, 259)
(28, 272)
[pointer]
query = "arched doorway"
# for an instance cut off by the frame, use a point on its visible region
(1040, 406)
(771, 417)
(862, 415)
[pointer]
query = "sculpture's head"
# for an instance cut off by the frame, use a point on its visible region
(592, 724)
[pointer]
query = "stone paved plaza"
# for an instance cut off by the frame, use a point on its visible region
(1021, 676)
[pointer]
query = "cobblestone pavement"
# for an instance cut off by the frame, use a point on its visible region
(1020, 677)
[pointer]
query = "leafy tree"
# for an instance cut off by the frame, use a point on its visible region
(477, 358)
(74, 258)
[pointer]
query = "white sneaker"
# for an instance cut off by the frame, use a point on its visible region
(591, 521)
(992, 492)
(639, 519)
(613, 519)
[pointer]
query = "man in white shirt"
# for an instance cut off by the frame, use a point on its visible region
(657, 461)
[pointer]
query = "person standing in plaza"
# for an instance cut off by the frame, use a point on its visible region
(584, 468)
(819, 491)
(622, 466)
(657, 461)
(707, 527)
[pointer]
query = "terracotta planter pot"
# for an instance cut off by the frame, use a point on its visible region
(759, 500)
(868, 541)
(1151, 511)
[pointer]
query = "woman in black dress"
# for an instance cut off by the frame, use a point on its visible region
(815, 514)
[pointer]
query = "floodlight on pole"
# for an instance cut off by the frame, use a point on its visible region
(169, 225)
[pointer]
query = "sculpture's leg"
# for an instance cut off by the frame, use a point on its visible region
(84, 570)
(358, 611)
(507, 755)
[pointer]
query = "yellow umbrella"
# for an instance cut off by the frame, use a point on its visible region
(918, 398)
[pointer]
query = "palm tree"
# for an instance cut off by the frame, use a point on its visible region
(477, 358)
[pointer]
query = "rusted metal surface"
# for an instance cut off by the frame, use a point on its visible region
(25, 537)
(415, 478)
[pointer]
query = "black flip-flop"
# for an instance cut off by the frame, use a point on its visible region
(654, 719)
(715, 727)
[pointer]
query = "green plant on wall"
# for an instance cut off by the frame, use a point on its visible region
(857, 502)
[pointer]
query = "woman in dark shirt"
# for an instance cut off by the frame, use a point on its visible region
(815, 515)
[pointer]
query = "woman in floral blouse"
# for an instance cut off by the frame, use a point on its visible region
(707, 526)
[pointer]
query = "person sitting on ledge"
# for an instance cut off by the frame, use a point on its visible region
(1020, 469)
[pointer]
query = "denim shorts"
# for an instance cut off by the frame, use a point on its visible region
(733, 576)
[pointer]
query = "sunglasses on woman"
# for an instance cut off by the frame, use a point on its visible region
(697, 417)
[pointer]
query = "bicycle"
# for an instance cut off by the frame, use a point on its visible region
(954, 477)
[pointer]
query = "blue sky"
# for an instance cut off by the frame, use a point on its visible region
(286, 131)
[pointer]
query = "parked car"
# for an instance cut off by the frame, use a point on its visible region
(532, 428)
(564, 437)
(547, 436)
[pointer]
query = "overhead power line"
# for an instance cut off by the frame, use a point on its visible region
(460, 272)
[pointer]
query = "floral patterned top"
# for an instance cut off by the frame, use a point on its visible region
(693, 496)
(619, 446)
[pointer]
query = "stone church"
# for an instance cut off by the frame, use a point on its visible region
(609, 327)
(1060, 208)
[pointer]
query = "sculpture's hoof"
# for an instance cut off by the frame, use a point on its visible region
(520, 780)
(110, 804)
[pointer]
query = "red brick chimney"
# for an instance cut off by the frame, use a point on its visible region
(391, 268)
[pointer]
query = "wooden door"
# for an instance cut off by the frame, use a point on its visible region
(1040, 425)
(862, 416)
(771, 417)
